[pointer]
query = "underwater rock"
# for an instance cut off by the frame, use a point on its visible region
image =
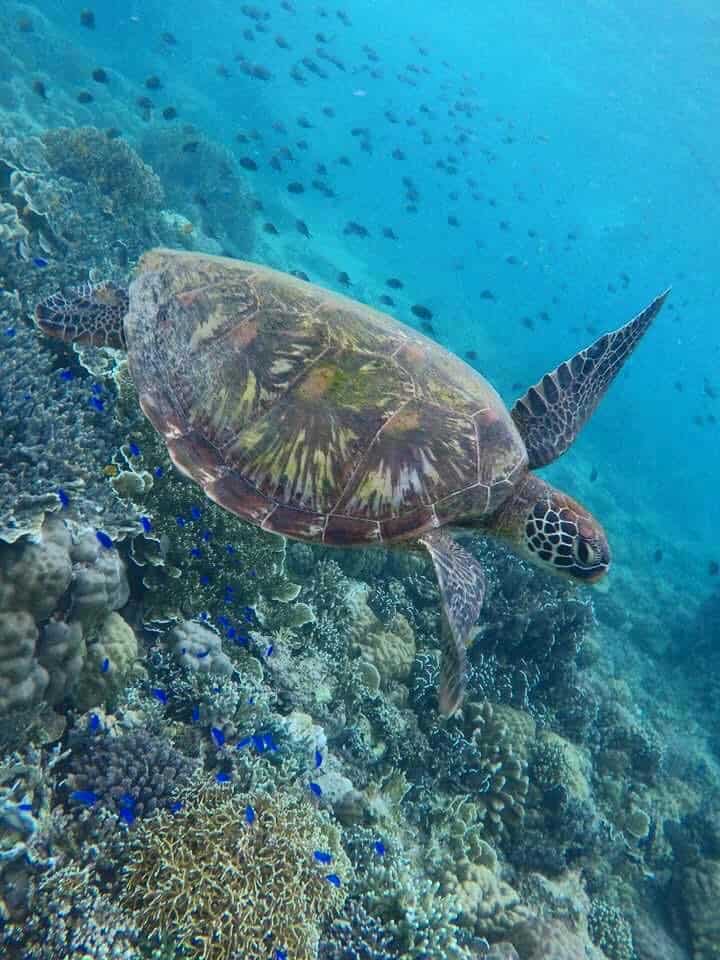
(390, 649)
(549, 940)
(697, 889)
(485, 904)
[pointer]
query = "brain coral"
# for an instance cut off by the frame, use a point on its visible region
(226, 883)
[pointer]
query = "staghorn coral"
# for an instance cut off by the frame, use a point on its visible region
(88, 154)
(223, 887)
(139, 765)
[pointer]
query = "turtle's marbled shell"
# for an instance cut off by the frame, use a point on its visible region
(308, 413)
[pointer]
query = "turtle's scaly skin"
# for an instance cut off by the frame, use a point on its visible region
(307, 413)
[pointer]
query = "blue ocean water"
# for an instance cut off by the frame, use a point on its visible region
(544, 170)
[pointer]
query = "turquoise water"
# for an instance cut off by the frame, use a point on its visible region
(545, 171)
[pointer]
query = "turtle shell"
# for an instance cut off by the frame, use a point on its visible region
(310, 414)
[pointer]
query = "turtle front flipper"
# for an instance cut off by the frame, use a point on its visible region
(92, 314)
(552, 413)
(462, 588)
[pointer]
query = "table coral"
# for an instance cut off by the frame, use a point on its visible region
(224, 884)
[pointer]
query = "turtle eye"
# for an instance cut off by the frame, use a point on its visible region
(584, 553)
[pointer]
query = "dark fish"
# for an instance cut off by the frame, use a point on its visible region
(386, 300)
(256, 204)
(453, 220)
(658, 555)
(428, 328)
(87, 19)
(100, 76)
(344, 279)
(247, 163)
(112, 133)
(593, 475)
(302, 228)
(287, 5)
(328, 111)
(321, 169)
(275, 163)
(153, 83)
(713, 568)
(85, 97)
(169, 39)
(271, 229)
(389, 115)
(709, 390)
(302, 145)
(398, 154)
(295, 187)
(528, 322)
(40, 89)
(282, 43)
(353, 228)
(679, 386)
(300, 274)
(344, 161)
(394, 283)
(169, 113)
(344, 18)
(222, 71)
(389, 233)
(421, 312)
(304, 123)
(487, 295)
(25, 25)
(145, 103)
(191, 146)
(471, 355)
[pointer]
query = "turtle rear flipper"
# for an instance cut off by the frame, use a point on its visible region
(462, 589)
(92, 314)
(552, 413)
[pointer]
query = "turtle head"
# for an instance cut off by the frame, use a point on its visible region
(554, 531)
(91, 313)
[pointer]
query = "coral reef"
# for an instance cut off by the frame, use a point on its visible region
(58, 596)
(138, 771)
(231, 874)
(88, 154)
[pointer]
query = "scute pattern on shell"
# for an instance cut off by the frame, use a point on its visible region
(310, 414)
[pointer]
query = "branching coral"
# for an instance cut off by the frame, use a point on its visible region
(225, 882)
(86, 153)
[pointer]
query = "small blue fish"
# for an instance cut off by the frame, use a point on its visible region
(280, 954)
(218, 736)
(242, 640)
(39, 262)
(204, 580)
(96, 389)
(127, 800)
(379, 848)
(223, 621)
(195, 513)
(270, 650)
(195, 715)
(104, 539)
(248, 613)
(229, 548)
(201, 654)
(223, 777)
(196, 553)
(10, 331)
(67, 375)
(25, 807)
(318, 759)
(207, 536)
(158, 471)
(322, 857)
(315, 788)
(270, 744)
(134, 449)
(94, 723)
(63, 498)
(105, 665)
(334, 879)
(176, 807)
(146, 524)
(249, 815)
(258, 742)
(127, 815)
(84, 796)
(159, 694)
(180, 521)
(245, 742)
(232, 633)
(97, 403)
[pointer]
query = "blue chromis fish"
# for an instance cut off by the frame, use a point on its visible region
(322, 856)
(86, 797)
(176, 807)
(146, 524)
(159, 694)
(379, 848)
(218, 736)
(104, 539)
(318, 759)
(249, 815)
(223, 777)
(63, 498)
(334, 879)
(315, 788)
(94, 723)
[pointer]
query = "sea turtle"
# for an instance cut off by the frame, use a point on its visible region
(319, 418)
